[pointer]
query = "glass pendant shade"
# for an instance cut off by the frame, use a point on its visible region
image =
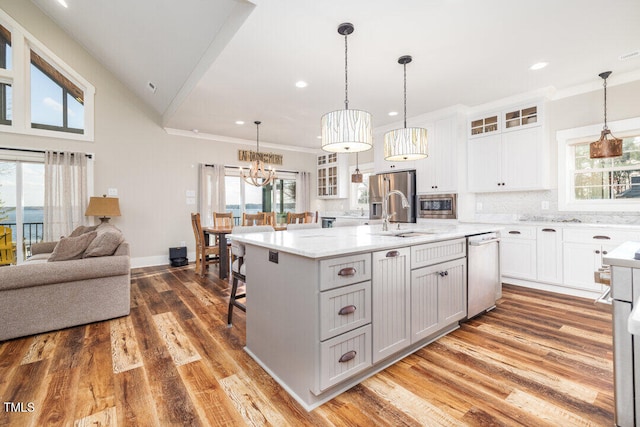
(346, 131)
(405, 144)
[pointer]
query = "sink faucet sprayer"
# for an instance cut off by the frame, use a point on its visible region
(385, 206)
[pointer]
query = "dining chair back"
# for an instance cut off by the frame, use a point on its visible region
(253, 219)
(270, 218)
(205, 254)
(7, 248)
(311, 217)
(238, 267)
(223, 219)
(296, 218)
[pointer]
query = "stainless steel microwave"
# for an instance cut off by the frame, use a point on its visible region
(438, 206)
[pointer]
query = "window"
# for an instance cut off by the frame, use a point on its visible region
(278, 197)
(359, 192)
(611, 184)
(61, 100)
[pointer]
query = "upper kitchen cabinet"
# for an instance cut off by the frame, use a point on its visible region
(438, 173)
(510, 155)
(333, 176)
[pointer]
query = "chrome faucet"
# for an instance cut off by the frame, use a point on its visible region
(385, 206)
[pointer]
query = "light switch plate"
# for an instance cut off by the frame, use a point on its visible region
(545, 205)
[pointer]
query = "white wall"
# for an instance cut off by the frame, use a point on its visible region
(151, 169)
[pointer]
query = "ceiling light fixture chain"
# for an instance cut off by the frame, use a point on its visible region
(604, 76)
(346, 74)
(608, 145)
(404, 65)
(258, 175)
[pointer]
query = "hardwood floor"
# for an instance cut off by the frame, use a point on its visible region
(538, 359)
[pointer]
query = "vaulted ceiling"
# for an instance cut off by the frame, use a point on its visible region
(215, 62)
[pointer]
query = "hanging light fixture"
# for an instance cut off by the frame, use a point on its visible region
(346, 131)
(608, 145)
(258, 174)
(406, 143)
(356, 177)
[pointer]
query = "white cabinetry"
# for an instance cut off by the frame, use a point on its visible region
(438, 172)
(583, 250)
(333, 176)
(518, 252)
(549, 254)
(391, 302)
(510, 155)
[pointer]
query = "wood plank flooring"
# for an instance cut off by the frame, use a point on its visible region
(538, 359)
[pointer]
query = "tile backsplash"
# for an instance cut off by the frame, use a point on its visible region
(527, 206)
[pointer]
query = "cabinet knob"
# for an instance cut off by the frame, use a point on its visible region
(597, 251)
(443, 273)
(349, 309)
(349, 355)
(604, 252)
(347, 272)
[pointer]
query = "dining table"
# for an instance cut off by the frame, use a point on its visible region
(221, 233)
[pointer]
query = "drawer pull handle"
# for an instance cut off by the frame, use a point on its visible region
(349, 355)
(514, 232)
(551, 230)
(602, 237)
(347, 272)
(349, 309)
(392, 254)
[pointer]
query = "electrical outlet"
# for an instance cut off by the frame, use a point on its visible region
(273, 256)
(112, 192)
(545, 205)
(478, 206)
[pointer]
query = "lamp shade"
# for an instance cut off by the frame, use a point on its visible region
(346, 131)
(103, 207)
(405, 144)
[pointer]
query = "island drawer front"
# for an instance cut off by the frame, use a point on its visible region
(437, 252)
(342, 271)
(344, 356)
(344, 309)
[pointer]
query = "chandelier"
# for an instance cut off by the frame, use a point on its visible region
(258, 175)
(608, 145)
(406, 143)
(346, 131)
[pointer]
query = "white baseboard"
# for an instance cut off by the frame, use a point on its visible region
(559, 289)
(152, 261)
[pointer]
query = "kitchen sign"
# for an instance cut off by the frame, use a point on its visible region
(250, 156)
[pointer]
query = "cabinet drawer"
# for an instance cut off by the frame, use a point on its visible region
(344, 309)
(599, 235)
(518, 232)
(433, 253)
(336, 272)
(344, 356)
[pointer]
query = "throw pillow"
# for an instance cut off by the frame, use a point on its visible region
(105, 244)
(81, 229)
(72, 247)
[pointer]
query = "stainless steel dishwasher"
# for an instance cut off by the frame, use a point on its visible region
(483, 273)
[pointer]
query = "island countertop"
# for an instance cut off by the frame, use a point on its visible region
(329, 242)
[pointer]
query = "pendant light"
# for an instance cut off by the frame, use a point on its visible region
(608, 145)
(356, 177)
(258, 174)
(406, 143)
(346, 131)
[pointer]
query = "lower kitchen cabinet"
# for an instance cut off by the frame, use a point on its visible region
(549, 254)
(391, 303)
(581, 260)
(518, 252)
(438, 297)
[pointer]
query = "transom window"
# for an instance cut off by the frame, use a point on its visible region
(60, 100)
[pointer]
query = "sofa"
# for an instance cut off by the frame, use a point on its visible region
(83, 278)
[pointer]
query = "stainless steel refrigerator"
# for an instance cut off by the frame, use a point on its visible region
(403, 181)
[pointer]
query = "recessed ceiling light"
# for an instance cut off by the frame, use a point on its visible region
(393, 113)
(239, 122)
(301, 84)
(63, 3)
(538, 66)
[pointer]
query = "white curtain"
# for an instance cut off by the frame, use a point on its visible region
(65, 193)
(212, 196)
(303, 192)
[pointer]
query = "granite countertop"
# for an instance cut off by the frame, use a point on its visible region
(330, 242)
(571, 224)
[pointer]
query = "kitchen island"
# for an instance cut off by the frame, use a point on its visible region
(327, 308)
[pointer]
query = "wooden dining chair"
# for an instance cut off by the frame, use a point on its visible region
(223, 219)
(253, 219)
(270, 218)
(310, 217)
(205, 254)
(238, 268)
(296, 218)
